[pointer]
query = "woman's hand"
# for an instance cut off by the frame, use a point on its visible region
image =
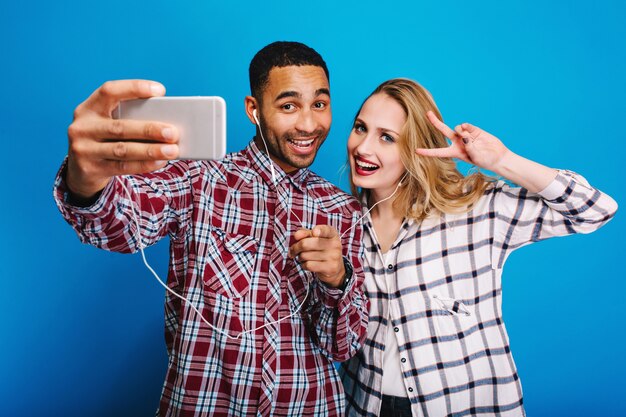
(469, 143)
(474, 145)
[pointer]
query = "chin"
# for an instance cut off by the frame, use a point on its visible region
(301, 163)
(359, 183)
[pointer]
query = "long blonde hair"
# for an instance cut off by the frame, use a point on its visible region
(432, 184)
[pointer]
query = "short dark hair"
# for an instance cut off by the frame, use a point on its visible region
(280, 54)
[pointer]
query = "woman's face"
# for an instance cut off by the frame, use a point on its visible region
(373, 150)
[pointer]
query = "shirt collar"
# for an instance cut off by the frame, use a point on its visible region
(407, 222)
(260, 162)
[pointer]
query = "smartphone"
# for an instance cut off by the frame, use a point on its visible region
(200, 120)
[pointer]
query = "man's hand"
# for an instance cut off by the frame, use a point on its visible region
(101, 147)
(319, 250)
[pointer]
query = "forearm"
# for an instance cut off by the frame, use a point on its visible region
(569, 204)
(110, 221)
(526, 173)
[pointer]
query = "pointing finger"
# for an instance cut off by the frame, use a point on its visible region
(325, 231)
(301, 234)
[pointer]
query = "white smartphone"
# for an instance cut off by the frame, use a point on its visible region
(200, 120)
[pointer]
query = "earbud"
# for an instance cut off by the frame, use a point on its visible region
(256, 119)
(402, 179)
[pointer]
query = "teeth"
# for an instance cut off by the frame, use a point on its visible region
(365, 165)
(302, 143)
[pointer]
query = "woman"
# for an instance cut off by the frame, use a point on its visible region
(436, 242)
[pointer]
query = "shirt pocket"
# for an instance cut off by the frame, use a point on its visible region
(450, 305)
(452, 319)
(230, 265)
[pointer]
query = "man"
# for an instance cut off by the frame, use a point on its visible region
(250, 241)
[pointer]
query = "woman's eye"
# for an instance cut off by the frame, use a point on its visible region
(359, 128)
(388, 138)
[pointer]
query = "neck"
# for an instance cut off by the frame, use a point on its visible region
(384, 204)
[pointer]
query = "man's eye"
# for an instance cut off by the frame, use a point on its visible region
(320, 105)
(288, 106)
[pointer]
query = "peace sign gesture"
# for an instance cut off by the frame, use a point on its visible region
(469, 143)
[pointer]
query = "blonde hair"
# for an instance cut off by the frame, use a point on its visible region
(432, 184)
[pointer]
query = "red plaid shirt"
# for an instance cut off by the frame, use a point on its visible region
(230, 231)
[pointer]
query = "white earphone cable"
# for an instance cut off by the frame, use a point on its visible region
(137, 207)
(375, 204)
(145, 261)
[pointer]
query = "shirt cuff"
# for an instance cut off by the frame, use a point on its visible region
(556, 188)
(331, 297)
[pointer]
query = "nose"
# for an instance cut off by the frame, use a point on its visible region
(306, 122)
(364, 145)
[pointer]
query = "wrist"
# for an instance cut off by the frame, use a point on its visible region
(84, 191)
(78, 186)
(343, 279)
(335, 282)
(505, 165)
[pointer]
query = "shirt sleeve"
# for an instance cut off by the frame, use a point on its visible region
(160, 202)
(339, 318)
(567, 205)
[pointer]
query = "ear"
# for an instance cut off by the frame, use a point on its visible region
(250, 105)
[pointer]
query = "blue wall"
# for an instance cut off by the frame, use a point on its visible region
(82, 330)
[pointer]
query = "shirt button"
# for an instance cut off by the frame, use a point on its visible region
(390, 267)
(410, 389)
(395, 329)
(403, 360)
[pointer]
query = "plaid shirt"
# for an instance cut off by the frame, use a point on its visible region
(230, 232)
(441, 291)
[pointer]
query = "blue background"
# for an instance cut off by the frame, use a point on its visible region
(82, 330)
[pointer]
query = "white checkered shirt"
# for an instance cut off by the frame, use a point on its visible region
(441, 291)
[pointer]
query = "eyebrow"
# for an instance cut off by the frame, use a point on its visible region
(318, 92)
(380, 129)
(389, 130)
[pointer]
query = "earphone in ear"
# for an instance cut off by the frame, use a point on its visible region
(402, 179)
(255, 118)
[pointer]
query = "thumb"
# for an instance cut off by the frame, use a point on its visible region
(301, 234)
(324, 231)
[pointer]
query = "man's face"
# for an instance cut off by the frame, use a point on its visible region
(295, 115)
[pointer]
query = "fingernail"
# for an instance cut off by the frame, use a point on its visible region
(167, 133)
(169, 151)
(465, 140)
(157, 89)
